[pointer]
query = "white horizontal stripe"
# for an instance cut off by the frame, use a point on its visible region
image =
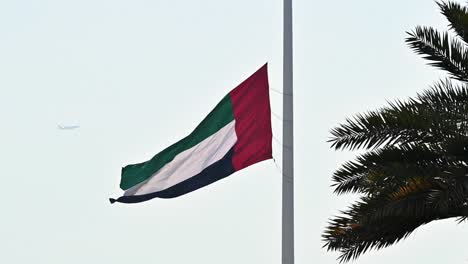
(189, 162)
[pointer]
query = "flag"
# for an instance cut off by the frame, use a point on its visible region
(234, 135)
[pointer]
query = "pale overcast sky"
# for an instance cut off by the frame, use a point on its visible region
(139, 75)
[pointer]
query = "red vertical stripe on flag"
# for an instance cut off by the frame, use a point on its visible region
(251, 107)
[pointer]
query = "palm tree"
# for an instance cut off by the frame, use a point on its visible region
(415, 168)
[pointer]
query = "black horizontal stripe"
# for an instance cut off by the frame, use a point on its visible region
(216, 171)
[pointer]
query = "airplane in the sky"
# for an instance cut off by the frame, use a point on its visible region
(69, 127)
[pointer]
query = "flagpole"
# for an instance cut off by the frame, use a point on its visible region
(288, 138)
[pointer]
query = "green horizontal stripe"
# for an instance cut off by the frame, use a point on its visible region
(220, 116)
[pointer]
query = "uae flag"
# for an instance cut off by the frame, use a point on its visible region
(234, 135)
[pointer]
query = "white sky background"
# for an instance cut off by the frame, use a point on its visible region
(139, 75)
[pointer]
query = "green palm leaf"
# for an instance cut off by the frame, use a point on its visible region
(415, 170)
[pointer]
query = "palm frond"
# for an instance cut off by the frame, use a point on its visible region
(378, 222)
(415, 170)
(377, 128)
(433, 116)
(443, 52)
(361, 228)
(392, 166)
(457, 15)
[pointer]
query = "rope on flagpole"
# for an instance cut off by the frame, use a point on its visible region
(277, 166)
(276, 91)
(280, 170)
(281, 144)
(287, 177)
(280, 118)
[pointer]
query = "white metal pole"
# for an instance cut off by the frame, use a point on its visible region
(288, 138)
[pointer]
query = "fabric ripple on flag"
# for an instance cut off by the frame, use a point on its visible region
(234, 135)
